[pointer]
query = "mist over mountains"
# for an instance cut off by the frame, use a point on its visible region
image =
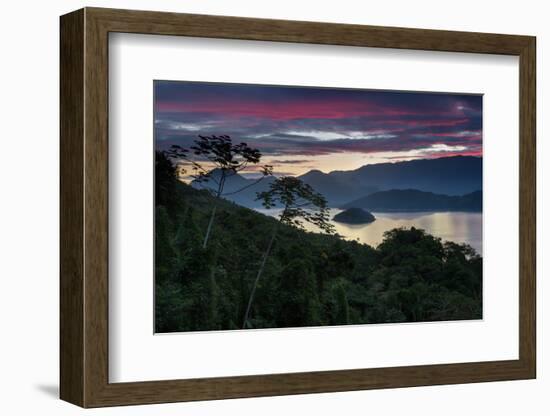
(448, 176)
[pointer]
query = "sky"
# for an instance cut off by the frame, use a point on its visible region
(298, 129)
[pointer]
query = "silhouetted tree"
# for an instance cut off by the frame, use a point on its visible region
(214, 159)
(300, 203)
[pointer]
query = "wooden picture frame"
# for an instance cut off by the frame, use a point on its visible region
(84, 207)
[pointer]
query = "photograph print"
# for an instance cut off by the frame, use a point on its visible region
(293, 206)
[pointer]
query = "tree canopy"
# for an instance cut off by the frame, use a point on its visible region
(300, 203)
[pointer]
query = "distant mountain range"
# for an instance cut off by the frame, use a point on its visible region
(337, 189)
(455, 175)
(409, 200)
(448, 176)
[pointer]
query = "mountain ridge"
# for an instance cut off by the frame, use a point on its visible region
(451, 176)
(410, 200)
(454, 175)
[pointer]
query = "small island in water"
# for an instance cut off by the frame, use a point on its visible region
(354, 216)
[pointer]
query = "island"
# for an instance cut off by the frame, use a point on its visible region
(354, 216)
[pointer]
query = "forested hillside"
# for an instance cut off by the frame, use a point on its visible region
(309, 279)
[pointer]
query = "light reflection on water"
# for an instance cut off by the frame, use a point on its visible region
(459, 227)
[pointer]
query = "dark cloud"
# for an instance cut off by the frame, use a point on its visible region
(289, 162)
(314, 121)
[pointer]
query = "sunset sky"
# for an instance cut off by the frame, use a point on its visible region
(300, 128)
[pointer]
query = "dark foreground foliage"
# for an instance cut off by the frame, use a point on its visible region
(309, 280)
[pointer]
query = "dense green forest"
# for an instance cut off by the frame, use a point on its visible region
(309, 279)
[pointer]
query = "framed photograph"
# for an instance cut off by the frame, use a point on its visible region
(255, 207)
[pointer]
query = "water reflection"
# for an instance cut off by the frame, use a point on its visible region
(460, 227)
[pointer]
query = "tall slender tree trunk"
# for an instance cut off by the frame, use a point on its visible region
(209, 229)
(213, 214)
(260, 271)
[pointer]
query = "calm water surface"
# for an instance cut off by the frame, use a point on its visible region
(459, 227)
